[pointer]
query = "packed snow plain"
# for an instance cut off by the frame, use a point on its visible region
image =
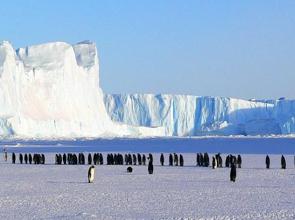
(62, 192)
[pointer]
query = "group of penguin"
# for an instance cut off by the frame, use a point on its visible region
(283, 162)
(202, 160)
(28, 158)
(73, 159)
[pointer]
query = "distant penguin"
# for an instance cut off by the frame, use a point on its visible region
(143, 159)
(30, 159)
(162, 160)
(214, 164)
(283, 162)
(233, 173)
(13, 157)
(89, 159)
(170, 160)
(26, 158)
(239, 161)
(129, 169)
(21, 158)
(150, 167)
(267, 162)
(181, 160)
(91, 172)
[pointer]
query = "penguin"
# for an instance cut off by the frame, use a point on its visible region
(13, 157)
(129, 169)
(170, 160)
(233, 173)
(283, 162)
(91, 172)
(162, 159)
(181, 160)
(139, 159)
(89, 159)
(21, 158)
(30, 159)
(43, 159)
(214, 165)
(267, 162)
(150, 167)
(175, 159)
(64, 158)
(239, 161)
(26, 158)
(143, 159)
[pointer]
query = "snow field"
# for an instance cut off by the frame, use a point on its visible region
(62, 192)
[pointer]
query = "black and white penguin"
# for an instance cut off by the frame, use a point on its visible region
(214, 163)
(181, 160)
(13, 157)
(233, 173)
(143, 159)
(129, 169)
(89, 159)
(91, 172)
(239, 161)
(21, 158)
(30, 158)
(170, 160)
(26, 158)
(283, 162)
(151, 167)
(267, 162)
(162, 159)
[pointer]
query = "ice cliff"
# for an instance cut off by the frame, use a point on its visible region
(194, 116)
(52, 91)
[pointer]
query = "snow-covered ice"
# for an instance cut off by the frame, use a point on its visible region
(185, 115)
(62, 192)
(52, 90)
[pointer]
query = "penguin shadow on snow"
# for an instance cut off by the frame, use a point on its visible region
(68, 182)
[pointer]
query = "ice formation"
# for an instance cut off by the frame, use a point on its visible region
(52, 91)
(182, 115)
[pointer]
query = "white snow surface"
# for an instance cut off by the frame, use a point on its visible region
(52, 91)
(62, 192)
(184, 115)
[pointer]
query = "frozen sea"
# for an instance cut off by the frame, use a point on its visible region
(62, 192)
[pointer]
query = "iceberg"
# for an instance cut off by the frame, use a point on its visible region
(183, 115)
(52, 91)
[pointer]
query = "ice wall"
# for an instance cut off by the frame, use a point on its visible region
(193, 115)
(52, 90)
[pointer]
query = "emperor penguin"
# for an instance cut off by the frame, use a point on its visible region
(91, 172)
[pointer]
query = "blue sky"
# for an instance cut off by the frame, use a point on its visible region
(242, 49)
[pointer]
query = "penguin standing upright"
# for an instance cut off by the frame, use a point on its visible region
(89, 159)
(267, 162)
(91, 172)
(181, 160)
(20, 158)
(151, 167)
(170, 160)
(233, 173)
(239, 161)
(162, 160)
(13, 157)
(26, 158)
(214, 164)
(30, 158)
(283, 162)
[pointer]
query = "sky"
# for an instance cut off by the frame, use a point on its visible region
(242, 49)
